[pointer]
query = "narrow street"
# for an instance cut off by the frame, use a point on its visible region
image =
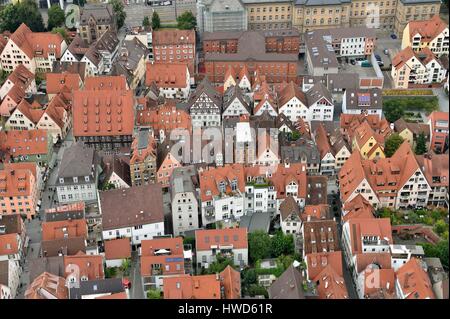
(137, 289)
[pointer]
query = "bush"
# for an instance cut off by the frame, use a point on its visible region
(255, 290)
(154, 294)
(110, 272)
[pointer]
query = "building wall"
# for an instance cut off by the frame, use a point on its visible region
(294, 109)
(412, 12)
(166, 169)
(275, 72)
(25, 204)
(309, 18)
(202, 254)
(137, 234)
(184, 212)
(12, 56)
(269, 16)
(143, 172)
(77, 192)
(414, 193)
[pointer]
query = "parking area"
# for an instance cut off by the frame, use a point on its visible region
(358, 69)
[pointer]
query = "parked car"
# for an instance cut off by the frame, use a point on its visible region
(353, 62)
(378, 57)
(393, 36)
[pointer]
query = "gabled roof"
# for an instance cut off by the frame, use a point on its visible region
(231, 283)
(235, 92)
(106, 82)
(211, 178)
(318, 92)
(205, 87)
(37, 44)
(435, 167)
(167, 75)
(21, 76)
(64, 229)
(90, 266)
(29, 142)
(288, 207)
(290, 91)
(322, 142)
(414, 281)
(378, 227)
(191, 287)
(428, 29)
(288, 286)
(55, 81)
(47, 286)
(358, 207)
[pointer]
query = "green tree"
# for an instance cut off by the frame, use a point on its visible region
(13, 15)
(186, 21)
(295, 135)
(146, 22)
(440, 227)
(189, 241)
(125, 267)
(154, 294)
(108, 186)
(119, 12)
(249, 277)
(255, 290)
(258, 245)
(110, 272)
(56, 17)
(393, 110)
(392, 144)
(219, 264)
(421, 144)
(3, 76)
(156, 21)
(63, 32)
(440, 250)
(281, 244)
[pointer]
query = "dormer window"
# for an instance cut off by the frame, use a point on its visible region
(234, 184)
(222, 186)
(75, 179)
(86, 178)
(61, 180)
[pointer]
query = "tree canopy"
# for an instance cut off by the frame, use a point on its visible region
(13, 15)
(392, 144)
(156, 21)
(56, 17)
(119, 12)
(186, 21)
(440, 250)
(259, 244)
(146, 22)
(219, 265)
(281, 244)
(63, 32)
(421, 144)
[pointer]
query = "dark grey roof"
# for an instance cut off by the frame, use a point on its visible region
(133, 206)
(78, 160)
(72, 67)
(143, 138)
(130, 54)
(303, 148)
(116, 164)
(108, 42)
(255, 222)
(369, 99)
(60, 216)
(234, 92)
(102, 13)
(342, 81)
(317, 190)
(184, 179)
(288, 286)
(65, 246)
(317, 92)
(53, 265)
(10, 223)
(94, 287)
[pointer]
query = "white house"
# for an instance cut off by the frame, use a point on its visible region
(205, 105)
(235, 103)
(290, 216)
(292, 103)
(230, 242)
(172, 79)
(136, 213)
(20, 76)
(320, 103)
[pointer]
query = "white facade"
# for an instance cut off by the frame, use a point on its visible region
(12, 56)
(69, 57)
(117, 181)
(245, 84)
(135, 233)
(414, 193)
(202, 116)
(367, 192)
(47, 123)
(294, 109)
(180, 93)
(321, 110)
(76, 192)
(18, 121)
(206, 257)
(260, 199)
(341, 157)
(92, 69)
(291, 225)
(235, 108)
(266, 106)
(7, 86)
(222, 207)
(328, 164)
(184, 212)
(5, 292)
(353, 47)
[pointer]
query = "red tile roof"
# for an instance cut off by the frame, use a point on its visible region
(21, 76)
(167, 252)
(236, 237)
(47, 286)
(414, 281)
(165, 117)
(9, 244)
(358, 207)
(173, 37)
(231, 282)
(58, 230)
(30, 142)
(375, 227)
(288, 92)
(428, 29)
(106, 82)
(90, 266)
(16, 182)
(117, 249)
(167, 75)
(378, 279)
(37, 44)
(211, 177)
(191, 287)
(107, 114)
(56, 81)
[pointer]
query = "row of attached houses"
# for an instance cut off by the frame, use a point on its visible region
(399, 182)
